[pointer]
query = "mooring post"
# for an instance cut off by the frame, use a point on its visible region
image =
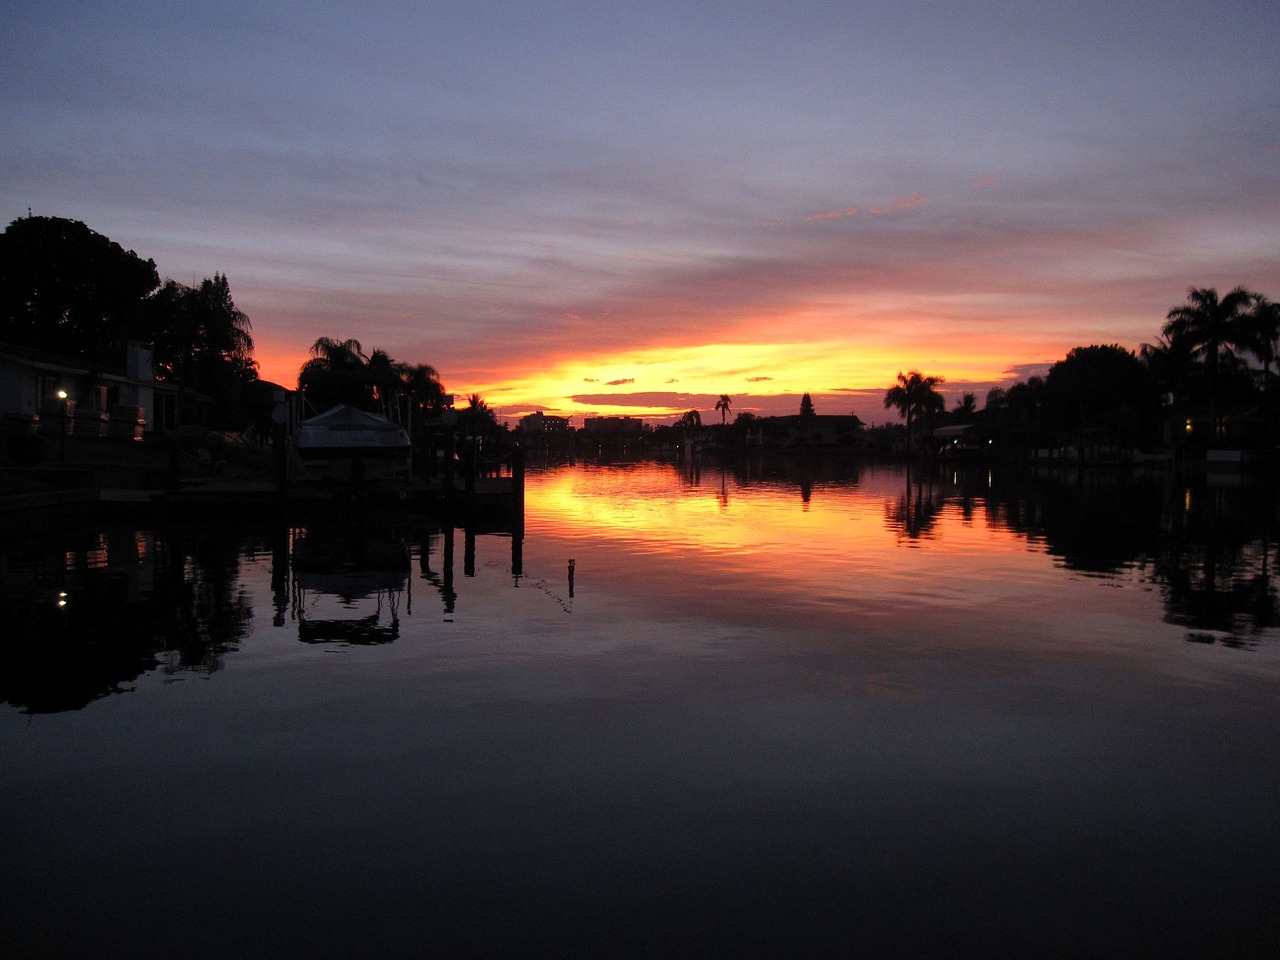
(517, 483)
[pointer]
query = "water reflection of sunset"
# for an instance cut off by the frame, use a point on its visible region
(838, 539)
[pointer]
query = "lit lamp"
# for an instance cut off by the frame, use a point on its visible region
(62, 440)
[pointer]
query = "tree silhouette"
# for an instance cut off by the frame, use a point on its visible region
(1101, 387)
(1026, 402)
(201, 340)
(1264, 342)
(691, 421)
(1171, 365)
(477, 419)
(806, 406)
(723, 405)
(336, 374)
(422, 383)
(915, 396)
(1262, 332)
(966, 406)
(1212, 328)
(66, 289)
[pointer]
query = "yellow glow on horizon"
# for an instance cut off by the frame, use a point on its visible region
(679, 377)
(701, 370)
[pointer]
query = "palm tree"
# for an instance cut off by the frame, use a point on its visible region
(915, 396)
(422, 381)
(336, 373)
(966, 406)
(477, 420)
(691, 421)
(1263, 332)
(1264, 337)
(386, 381)
(723, 405)
(478, 413)
(1212, 328)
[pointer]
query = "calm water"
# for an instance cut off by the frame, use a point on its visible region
(773, 711)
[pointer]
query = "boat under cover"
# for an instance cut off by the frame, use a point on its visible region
(344, 443)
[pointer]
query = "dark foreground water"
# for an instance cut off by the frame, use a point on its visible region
(791, 711)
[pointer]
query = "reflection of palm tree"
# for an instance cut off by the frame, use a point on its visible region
(915, 396)
(723, 405)
(914, 514)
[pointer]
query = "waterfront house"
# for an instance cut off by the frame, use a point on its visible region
(48, 392)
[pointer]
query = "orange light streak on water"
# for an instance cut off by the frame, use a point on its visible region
(845, 543)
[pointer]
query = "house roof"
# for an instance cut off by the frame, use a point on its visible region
(43, 360)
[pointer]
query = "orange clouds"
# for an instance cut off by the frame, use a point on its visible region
(903, 203)
(834, 215)
(897, 206)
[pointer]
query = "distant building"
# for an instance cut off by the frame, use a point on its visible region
(613, 426)
(539, 423)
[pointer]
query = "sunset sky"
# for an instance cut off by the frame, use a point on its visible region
(633, 208)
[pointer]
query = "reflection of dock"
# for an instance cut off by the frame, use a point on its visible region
(349, 570)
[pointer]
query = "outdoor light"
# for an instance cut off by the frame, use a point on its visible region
(62, 439)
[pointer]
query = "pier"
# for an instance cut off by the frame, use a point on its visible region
(106, 474)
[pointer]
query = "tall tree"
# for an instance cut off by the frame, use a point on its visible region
(915, 396)
(1212, 328)
(208, 346)
(66, 289)
(806, 406)
(1105, 387)
(386, 380)
(1026, 402)
(723, 405)
(1263, 332)
(422, 384)
(200, 338)
(336, 374)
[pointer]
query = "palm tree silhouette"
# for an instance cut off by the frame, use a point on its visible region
(336, 373)
(723, 405)
(915, 396)
(1212, 328)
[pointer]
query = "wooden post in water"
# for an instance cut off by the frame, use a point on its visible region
(517, 512)
(517, 485)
